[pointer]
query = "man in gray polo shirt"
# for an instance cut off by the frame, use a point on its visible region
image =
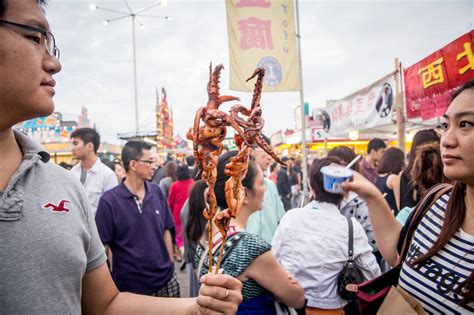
(52, 259)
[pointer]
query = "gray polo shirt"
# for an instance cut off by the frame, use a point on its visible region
(48, 237)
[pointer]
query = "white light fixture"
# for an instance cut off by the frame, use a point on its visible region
(164, 3)
(168, 17)
(92, 7)
(149, 141)
(409, 136)
(105, 22)
(354, 135)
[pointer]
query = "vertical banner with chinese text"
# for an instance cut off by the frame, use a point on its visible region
(262, 34)
(429, 83)
(365, 109)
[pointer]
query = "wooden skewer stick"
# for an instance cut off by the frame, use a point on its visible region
(219, 260)
(209, 243)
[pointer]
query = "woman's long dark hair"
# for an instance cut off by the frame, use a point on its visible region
(196, 223)
(197, 204)
(247, 182)
(427, 169)
(454, 217)
(421, 137)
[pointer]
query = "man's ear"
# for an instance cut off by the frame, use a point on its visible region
(90, 146)
(246, 195)
(132, 165)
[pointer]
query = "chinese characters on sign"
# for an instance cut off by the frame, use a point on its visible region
(262, 34)
(255, 33)
(429, 83)
(252, 3)
(285, 24)
(367, 108)
(432, 74)
(467, 53)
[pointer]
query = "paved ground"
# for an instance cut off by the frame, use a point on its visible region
(182, 279)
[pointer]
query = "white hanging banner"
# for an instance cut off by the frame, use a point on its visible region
(365, 109)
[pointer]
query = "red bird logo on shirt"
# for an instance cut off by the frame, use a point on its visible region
(59, 208)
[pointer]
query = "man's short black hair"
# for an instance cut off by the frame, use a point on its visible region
(182, 172)
(110, 164)
(87, 135)
(316, 180)
(3, 5)
(190, 160)
(284, 159)
(132, 151)
(375, 144)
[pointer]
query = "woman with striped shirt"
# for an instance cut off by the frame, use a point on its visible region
(439, 268)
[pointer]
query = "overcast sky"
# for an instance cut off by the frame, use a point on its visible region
(346, 45)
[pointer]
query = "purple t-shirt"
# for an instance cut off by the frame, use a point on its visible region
(141, 263)
(368, 171)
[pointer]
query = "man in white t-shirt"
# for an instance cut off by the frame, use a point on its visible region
(96, 177)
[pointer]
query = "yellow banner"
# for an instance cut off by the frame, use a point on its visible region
(262, 34)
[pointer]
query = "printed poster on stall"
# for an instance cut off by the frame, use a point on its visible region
(46, 129)
(365, 109)
(430, 82)
(262, 34)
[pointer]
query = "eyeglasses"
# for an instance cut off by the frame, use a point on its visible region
(50, 42)
(149, 162)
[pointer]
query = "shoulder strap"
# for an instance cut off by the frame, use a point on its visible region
(406, 235)
(227, 251)
(201, 261)
(234, 239)
(351, 240)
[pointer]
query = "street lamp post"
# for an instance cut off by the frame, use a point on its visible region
(133, 15)
(135, 74)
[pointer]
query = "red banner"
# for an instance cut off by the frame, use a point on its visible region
(429, 83)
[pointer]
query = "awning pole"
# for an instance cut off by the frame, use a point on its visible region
(303, 122)
(400, 108)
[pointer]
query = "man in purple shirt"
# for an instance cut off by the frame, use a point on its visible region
(134, 221)
(368, 166)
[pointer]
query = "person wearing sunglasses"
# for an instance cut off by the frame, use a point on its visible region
(53, 261)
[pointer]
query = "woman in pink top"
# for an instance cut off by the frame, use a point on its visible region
(179, 192)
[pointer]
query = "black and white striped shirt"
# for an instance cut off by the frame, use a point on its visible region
(433, 281)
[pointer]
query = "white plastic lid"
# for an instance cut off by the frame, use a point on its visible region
(336, 171)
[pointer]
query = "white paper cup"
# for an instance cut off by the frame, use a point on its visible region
(334, 176)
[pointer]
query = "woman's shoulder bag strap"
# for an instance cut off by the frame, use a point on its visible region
(235, 238)
(406, 234)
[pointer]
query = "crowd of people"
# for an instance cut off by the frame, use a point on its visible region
(103, 236)
(53, 257)
(151, 215)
